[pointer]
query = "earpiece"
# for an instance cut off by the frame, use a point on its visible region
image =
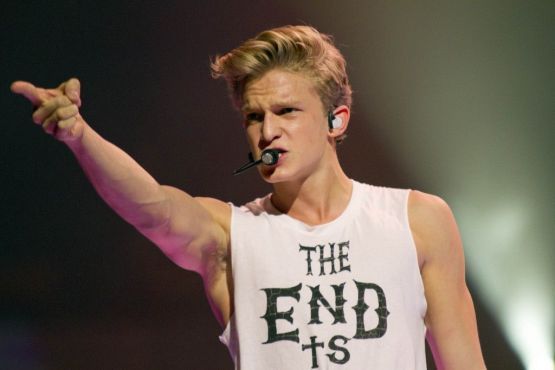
(337, 122)
(333, 121)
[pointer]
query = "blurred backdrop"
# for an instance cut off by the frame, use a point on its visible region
(454, 98)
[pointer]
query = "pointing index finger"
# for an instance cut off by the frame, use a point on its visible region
(28, 90)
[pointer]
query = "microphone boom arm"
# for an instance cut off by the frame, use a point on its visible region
(269, 157)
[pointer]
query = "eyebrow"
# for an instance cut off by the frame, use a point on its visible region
(281, 103)
(246, 108)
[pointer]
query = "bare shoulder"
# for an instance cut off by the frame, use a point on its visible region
(423, 205)
(433, 226)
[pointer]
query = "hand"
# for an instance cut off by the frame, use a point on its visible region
(57, 110)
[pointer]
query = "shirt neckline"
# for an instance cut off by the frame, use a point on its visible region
(291, 221)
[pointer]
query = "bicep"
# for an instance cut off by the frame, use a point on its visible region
(191, 232)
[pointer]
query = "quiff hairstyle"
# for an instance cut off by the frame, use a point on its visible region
(300, 49)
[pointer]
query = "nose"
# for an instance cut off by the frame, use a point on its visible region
(271, 129)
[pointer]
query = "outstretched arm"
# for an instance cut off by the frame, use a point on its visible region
(185, 230)
(450, 319)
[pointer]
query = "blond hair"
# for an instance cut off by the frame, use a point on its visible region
(299, 49)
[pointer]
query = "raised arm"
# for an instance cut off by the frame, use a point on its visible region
(450, 319)
(188, 231)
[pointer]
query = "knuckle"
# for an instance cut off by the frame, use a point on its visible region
(64, 100)
(49, 103)
(57, 101)
(67, 112)
(67, 123)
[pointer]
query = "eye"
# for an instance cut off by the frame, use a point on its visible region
(287, 110)
(254, 117)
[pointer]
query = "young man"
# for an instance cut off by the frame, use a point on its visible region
(324, 272)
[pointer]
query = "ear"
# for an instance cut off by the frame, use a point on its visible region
(340, 121)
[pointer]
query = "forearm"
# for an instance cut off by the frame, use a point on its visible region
(456, 345)
(123, 184)
(181, 226)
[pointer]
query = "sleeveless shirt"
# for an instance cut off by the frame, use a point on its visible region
(347, 294)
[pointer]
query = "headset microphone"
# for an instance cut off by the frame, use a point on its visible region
(269, 157)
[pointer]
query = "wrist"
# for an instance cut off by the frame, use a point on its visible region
(76, 139)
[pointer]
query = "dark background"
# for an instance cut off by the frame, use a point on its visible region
(79, 288)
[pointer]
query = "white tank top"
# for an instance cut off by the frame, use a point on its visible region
(343, 295)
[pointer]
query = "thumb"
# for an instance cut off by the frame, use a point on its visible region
(72, 89)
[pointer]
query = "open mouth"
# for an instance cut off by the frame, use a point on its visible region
(271, 157)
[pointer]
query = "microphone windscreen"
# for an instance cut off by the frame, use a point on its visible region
(270, 157)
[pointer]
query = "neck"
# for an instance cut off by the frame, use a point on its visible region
(317, 199)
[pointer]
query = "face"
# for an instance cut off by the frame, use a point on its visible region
(283, 111)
